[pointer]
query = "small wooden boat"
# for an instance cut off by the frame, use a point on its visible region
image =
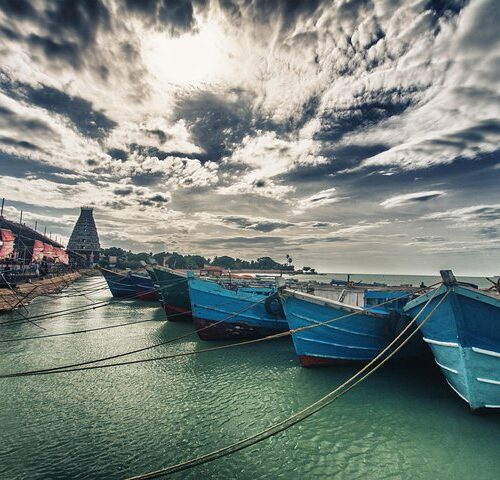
(464, 336)
(235, 310)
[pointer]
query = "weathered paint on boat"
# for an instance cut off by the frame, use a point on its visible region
(464, 336)
(240, 313)
(174, 294)
(359, 337)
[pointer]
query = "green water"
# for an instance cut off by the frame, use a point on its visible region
(402, 423)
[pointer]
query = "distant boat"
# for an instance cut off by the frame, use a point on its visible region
(235, 311)
(362, 335)
(173, 289)
(350, 283)
(464, 336)
(130, 284)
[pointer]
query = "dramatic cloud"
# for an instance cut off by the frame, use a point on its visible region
(409, 198)
(259, 224)
(478, 213)
(324, 197)
(331, 128)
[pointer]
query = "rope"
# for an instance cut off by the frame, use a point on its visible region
(112, 357)
(27, 296)
(84, 291)
(69, 368)
(100, 328)
(69, 311)
(302, 414)
(61, 334)
(19, 301)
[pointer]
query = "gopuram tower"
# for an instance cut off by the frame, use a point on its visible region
(83, 246)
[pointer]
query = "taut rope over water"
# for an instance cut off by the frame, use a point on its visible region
(63, 368)
(82, 367)
(302, 414)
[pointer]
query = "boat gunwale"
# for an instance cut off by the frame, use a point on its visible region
(325, 302)
(233, 294)
(474, 294)
(177, 273)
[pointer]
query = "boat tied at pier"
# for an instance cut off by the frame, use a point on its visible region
(464, 336)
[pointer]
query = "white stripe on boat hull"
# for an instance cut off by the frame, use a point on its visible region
(457, 392)
(486, 352)
(446, 368)
(488, 380)
(443, 344)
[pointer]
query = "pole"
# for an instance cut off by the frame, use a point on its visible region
(21, 218)
(36, 224)
(1, 210)
(45, 231)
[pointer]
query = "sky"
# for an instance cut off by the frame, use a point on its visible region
(357, 136)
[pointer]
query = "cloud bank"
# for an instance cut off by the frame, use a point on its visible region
(245, 127)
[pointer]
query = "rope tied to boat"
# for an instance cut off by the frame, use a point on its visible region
(71, 367)
(69, 311)
(83, 366)
(308, 411)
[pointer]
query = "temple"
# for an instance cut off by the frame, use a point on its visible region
(83, 245)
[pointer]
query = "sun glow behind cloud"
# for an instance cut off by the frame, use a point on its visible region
(347, 111)
(190, 59)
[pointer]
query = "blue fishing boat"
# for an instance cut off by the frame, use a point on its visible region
(119, 284)
(464, 336)
(234, 310)
(331, 338)
(145, 289)
(130, 285)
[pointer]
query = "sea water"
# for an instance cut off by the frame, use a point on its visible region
(403, 422)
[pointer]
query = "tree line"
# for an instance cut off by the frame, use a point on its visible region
(128, 259)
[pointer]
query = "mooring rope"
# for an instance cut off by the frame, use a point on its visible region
(94, 287)
(69, 311)
(149, 347)
(302, 414)
(61, 334)
(78, 292)
(170, 316)
(20, 301)
(69, 368)
(128, 297)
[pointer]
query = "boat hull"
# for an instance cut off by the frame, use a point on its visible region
(464, 336)
(144, 288)
(131, 285)
(119, 285)
(175, 313)
(358, 338)
(208, 330)
(223, 314)
(174, 293)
